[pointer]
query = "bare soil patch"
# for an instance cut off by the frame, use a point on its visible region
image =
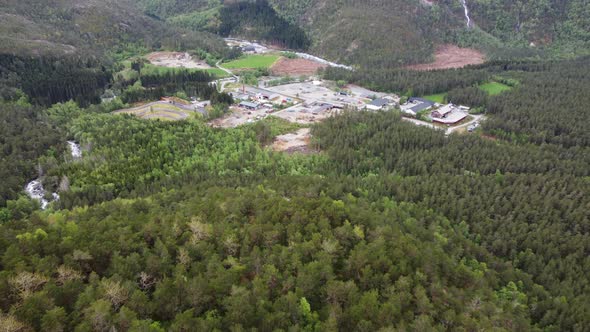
(293, 67)
(176, 60)
(451, 56)
(293, 142)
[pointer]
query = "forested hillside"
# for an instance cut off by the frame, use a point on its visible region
(166, 225)
(88, 28)
(28, 144)
(380, 225)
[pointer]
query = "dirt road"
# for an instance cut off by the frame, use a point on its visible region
(476, 118)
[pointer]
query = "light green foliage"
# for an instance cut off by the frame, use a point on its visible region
(494, 88)
(253, 61)
(289, 55)
(437, 98)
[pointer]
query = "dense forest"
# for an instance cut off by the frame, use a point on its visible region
(153, 86)
(382, 226)
(29, 143)
(177, 225)
(258, 20)
(48, 79)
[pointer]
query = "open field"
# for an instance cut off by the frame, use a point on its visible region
(159, 110)
(293, 142)
(494, 88)
(253, 61)
(437, 98)
(176, 60)
(150, 69)
(294, 67)
(238, 116)
(451, 56)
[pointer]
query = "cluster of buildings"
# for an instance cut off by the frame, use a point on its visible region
(381, 103)
(314, 99)
(253, 98)
(445, 114)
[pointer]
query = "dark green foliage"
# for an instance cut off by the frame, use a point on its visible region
(526, 203)
(410, 83)
(25, 136)
(156, 85)
(259, 21)
(49, 80)
(550, 106)
(472, 96)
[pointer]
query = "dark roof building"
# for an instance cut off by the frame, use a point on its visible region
(421, 100)
(249, 105)
(380, 102)
(322, 108)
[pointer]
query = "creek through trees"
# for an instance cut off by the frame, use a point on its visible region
(35, 188)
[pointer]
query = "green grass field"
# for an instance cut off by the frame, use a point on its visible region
(494, 88)
(252, 62)
(437, 98)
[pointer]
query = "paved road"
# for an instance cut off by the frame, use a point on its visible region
(450, 130)
(420, 123)
(476, 118)
(222, 82)
(217, 64)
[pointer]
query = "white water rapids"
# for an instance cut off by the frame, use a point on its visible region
(259, 48)
(75, 149)
(35, 188)
(464, 3)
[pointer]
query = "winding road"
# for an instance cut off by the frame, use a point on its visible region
(223, 81)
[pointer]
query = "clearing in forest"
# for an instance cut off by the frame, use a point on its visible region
(176, 60)
(293, 142)
(437, 98)
(450, 56)
(494, 88)
(295, 67)
(162, 110)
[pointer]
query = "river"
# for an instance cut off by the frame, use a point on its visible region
(35, 188)
(259, 48)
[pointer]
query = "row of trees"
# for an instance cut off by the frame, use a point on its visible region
(49, 80)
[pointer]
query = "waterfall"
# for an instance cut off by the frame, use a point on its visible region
(464, 3)
(36, 191)
(35, 188)
(75, 149)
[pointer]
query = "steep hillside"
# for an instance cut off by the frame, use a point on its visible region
(88, 27)
(381, 33)
(403, 31)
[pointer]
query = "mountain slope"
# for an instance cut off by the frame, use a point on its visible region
(88, 27)
(404, 30)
